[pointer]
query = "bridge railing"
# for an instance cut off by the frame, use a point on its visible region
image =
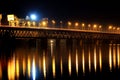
(81, 28)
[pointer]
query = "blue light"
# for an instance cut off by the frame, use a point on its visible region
(33, 70)
(33, 17)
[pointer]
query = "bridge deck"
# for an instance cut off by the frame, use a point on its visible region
(38, 32)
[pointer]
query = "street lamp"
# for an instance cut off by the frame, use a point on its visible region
(76, 24)
(118, 28)
(44, 24)
(83, 25)
(29, 23)
(89, 26)
(53, 23)
(109, 28)
(100, 27)
(61, 24)
(34, 23)
(69, 24)
(94, 26)
(114, 28)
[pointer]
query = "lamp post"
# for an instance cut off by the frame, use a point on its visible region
(34, 23)
(69, 24)
(61, 24)
(118, 29)
(44, 24)
(53, 23)
(83, 26)
(28, 23)
(89, 27)
(76, 25)
(109, 28)
(114, 28)
(100, 27)
(94, 27)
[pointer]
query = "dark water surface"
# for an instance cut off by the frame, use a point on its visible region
(59, 59)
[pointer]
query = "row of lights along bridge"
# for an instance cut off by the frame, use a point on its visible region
(14, 21)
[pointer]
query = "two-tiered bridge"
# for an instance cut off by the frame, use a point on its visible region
(46, 32)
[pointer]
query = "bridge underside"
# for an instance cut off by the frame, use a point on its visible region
(8, 32)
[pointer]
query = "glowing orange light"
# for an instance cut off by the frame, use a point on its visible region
(53, 66)
(69, 64)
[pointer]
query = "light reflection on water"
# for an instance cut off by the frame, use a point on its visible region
(24, 66)
(89, 60)
(17, 68)
(95, 61)
(33, 69)
(83, 61)
(61, 66)
(11, 69)
(110, 57)
(29, 66)
(114, 55)
(75, 60)
(44, 65)
(100, 59)
(118, 55)
(53, 66)
(69, 63)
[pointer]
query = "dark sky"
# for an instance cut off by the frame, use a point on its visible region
(84, 10)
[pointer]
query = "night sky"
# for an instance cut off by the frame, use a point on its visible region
(82, 10)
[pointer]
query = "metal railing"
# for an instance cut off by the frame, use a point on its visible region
(85, 29)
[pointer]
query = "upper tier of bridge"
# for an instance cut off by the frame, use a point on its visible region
(94, 30)
(29, 23)
(44, 23)
(28, 28)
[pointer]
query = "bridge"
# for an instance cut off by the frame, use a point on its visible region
(47, 32)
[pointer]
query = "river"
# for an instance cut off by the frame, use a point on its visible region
(59, 59)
